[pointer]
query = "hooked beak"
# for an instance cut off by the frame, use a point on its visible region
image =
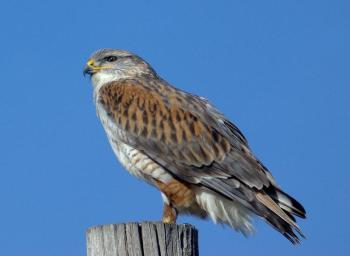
(89, 68)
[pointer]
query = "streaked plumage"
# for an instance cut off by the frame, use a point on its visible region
(181, 144)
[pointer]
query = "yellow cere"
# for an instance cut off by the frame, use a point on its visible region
(90, 62)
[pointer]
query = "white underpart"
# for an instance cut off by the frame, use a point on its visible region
(222, 210)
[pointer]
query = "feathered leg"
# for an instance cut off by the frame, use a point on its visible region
(169, 214)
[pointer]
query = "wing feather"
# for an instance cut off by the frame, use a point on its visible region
(194, 137)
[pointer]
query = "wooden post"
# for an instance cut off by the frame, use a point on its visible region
(142, 239)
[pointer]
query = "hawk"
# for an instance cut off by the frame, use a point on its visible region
(182, 145)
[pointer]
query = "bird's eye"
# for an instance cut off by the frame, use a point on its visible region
(110, 58)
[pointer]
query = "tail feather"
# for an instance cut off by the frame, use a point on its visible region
(233, 205)
(280, 210)
(278, 218)
(286, 202)
(284, 228)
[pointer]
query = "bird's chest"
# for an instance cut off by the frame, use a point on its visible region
(136, 162)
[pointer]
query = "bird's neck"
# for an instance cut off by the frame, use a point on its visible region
(100, 79)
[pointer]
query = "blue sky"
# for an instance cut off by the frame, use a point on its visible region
(278, 69)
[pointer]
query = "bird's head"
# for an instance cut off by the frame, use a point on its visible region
(108, 65)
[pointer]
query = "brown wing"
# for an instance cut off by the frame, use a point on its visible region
(183, 132)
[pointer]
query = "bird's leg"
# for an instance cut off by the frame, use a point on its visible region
(169, 214)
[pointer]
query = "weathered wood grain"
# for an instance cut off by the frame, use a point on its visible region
(142, 239)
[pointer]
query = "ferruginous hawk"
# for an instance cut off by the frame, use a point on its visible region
(182, 145)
